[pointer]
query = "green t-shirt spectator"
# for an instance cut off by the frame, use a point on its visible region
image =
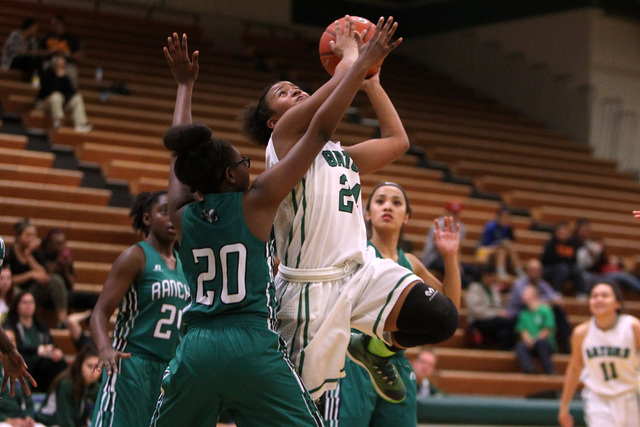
(535, 321)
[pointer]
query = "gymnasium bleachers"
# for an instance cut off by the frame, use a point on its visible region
(487, 147)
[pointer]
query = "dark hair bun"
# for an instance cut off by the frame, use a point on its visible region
(184, 137)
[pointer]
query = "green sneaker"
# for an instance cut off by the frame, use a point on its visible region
(382, 372)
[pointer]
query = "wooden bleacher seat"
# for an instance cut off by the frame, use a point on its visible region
(477, 168)
(42, 175)
(63, 211)
(53, 192)
(505, 184)
(496, 383)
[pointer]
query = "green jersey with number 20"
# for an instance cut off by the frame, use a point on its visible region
(227, 267)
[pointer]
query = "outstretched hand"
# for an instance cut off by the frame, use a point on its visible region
(176, 52)
(347, 39)
(379, 46)
(16, 368)
(447, 238)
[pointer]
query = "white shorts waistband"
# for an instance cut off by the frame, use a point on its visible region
(317, 274)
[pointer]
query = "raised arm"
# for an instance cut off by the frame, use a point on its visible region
(262, 200)
(288, 129)
(185, 72)
(447, 240)
(126, 268)
(374, 154)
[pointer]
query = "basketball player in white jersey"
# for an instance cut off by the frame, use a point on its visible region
(328, 281)
(605, 357)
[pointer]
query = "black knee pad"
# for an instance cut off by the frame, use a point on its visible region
(426, 317)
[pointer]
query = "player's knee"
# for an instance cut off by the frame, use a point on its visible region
(428, 314)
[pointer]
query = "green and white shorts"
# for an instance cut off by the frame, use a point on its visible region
(318, 308)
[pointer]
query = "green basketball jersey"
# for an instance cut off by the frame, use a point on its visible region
(227, 267)
(150, 313)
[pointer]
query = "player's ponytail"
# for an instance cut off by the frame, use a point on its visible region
(253, 120)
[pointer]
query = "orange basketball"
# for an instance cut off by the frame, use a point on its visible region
(328, 59)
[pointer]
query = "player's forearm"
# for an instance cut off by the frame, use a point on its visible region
(182, 110)
(452, 281)
(99, 330)
(391, 127)
(569, 388)
(6, 346)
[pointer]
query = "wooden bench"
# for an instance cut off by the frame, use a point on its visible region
(496, 383)
(91, 272)
(564, 151)
(487, 360)
(41, 175)
(450, 154)
(21, 157)
(530, 199)
(15, 142)
(476, 168)
(44, 209)
(552, 214)
(53, 192)
(503, 184)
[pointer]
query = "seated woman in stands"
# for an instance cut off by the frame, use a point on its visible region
(29, 273)
(73, 394)
(34, 341)
(58, 260)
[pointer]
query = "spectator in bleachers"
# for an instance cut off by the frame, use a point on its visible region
(597, 264)
(559, 261)
(487, 318)
(497, 245)
(58, 96)
(431, 257)
(29, 274)
(58, 260)
(547, 294)
(424, 366)
(73, 394)
(59, 42)
(34, 341)
(7, 291)
(20, 50)
(536, 327)
(17, 410)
